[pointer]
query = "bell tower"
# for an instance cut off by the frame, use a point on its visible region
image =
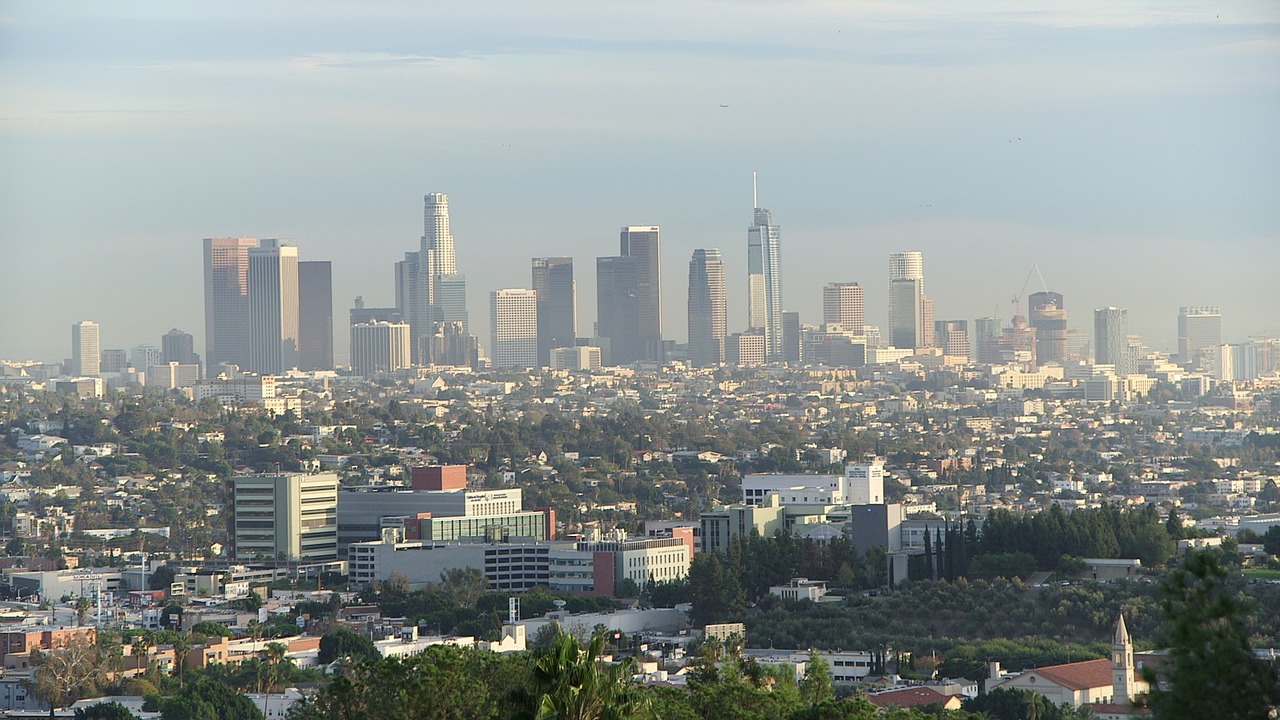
(1122, 690)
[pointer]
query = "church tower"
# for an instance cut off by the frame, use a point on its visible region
(1122, 689)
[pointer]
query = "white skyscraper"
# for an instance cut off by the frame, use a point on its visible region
(379, 347)
(86, 353)
(764, 278)
(273, 307)
(906, 300)
(429, 289)
(1199, 327)
(514, 328)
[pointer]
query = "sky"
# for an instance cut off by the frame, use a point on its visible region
(1129, 150)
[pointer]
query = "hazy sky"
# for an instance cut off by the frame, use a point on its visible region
(1132, 150)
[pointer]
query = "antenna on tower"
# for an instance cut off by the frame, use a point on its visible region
(755, 200)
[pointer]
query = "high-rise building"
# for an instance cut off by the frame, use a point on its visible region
(273, 307)
(178, 346)
(1199, 327)
(1111, 340)
(142, 357)
(1048, 315)
(429, 289)
(288, 516)
(792, 337)
(86, 350)
(379, 347)
(315, 315)
(226, 301)
(451, 344)
(952, 336)
(628, 297)
(707, 308)
(114, 360)
(987, 332)
(842, 304)
(764, 278)
(557, 305)
(513, 320)
(906, 299)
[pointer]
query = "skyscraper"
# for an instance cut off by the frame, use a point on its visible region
(142, 357)
(273, 307)
(906, 299)
(764, 278)
(987, 332)
(557, 305)
(178, 346)
(1111, 339)
(226, 301)
(1048, 315)
(616, 308)
(707, 308)
(429, 289)
(629, 296)
(1199, 327)
(513, 322)
(86, 351)
(842, 304)
(379, 347)
(315, 315)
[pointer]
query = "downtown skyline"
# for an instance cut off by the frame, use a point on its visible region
(1126, 150)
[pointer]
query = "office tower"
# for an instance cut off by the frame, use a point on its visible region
(926, 322)
(178, 346)
(114, 360)
(289, 516)
(616, 308)
(578, 357)
(707, 308)
(557, 305)
(987, 332)
(764, 278)
(842, 304)
(142, 357)
(1017, 342)
(1048, 315)
(513, 320)
(1111, 339)
(86, 353)
(451, 299)
(273, 307)
(906, 299)
(628, 297)
(952, 336)
(791, 337)
(1079, 344)
(172, 375)
(644, 245)
(1199, 327)
(379, 347)
(226, 300)
(406, 286)
(315, 315)
(429, 289)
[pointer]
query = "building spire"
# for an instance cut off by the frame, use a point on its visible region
(1122, 633)
(755, 200)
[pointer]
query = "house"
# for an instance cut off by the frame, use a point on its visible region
(914, 697)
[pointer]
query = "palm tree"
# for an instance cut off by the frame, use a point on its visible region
(572, 684)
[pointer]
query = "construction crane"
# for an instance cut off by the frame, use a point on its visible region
(1018, 298)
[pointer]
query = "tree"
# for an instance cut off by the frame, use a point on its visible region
(1271, 540)
(463, 586)
(105, 711)
(207, 699)
(346, 643)
(570, 684)
(66, 673)
(1211, 670)
(209, 628)
(816, 687)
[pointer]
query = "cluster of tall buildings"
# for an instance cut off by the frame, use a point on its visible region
(265, 310)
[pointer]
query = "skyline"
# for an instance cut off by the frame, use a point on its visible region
(1146, 151)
